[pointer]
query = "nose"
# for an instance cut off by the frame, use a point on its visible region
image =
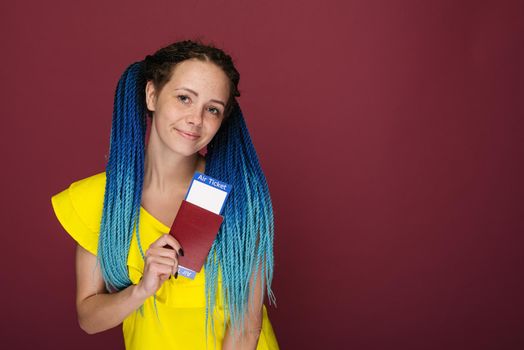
(195, 117)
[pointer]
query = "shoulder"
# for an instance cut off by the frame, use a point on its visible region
(86, 198)
(90, 186)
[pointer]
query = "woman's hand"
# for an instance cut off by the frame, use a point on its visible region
(161, 261)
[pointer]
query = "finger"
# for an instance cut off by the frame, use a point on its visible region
(179, 252)
(166, 239)
(171, 241)
(168, 253)
(175, 269)
(160, 269)
(162, 260)
(161, 241)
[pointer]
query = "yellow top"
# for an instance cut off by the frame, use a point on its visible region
(180, 302)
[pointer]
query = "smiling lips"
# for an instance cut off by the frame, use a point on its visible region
(188, 135)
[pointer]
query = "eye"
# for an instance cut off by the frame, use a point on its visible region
(215, 111)
(183, 98)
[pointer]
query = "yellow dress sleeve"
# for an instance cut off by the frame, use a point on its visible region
(78, 208)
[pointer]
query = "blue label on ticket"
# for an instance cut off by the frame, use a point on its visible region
(183, 271)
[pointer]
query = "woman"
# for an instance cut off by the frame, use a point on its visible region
(126, 261)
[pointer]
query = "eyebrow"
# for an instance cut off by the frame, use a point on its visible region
(196, 94)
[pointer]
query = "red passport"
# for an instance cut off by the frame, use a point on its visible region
(195, 228)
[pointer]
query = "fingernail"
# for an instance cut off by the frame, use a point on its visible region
(176, 274)
(181, 252)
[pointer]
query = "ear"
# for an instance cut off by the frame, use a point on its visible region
(150, 96)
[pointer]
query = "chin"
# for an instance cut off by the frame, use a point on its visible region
(185, 151)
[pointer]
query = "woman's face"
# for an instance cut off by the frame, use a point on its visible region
(190, 107)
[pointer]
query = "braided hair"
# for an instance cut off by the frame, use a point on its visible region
(244, 243)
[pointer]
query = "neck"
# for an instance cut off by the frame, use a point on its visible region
(166, 172)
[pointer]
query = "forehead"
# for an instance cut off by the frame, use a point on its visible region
(201, 76)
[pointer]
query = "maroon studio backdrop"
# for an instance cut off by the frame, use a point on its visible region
(390, 133)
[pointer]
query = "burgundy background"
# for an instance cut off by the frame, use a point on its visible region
(390, 133)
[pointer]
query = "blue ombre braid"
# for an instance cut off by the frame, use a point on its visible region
(124, 179)
(244, 243)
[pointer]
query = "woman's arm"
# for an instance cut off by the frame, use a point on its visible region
(253, 321)
(97, 309)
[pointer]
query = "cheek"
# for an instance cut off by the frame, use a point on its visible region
(163, 120)
(217, 126)
(213, 130)
(163, 128)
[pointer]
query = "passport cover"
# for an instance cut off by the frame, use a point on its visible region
(195, 228)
